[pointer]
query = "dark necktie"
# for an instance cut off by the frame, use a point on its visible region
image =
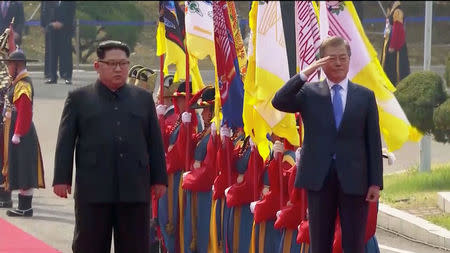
(337, 104)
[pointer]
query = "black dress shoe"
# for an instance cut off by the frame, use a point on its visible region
(50, 81)
(20, 213)
(68, 81)
(6, 204)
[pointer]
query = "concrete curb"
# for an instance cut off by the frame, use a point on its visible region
(413, 227)
(443, 201)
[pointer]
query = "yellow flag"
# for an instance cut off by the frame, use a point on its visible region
(365, 69)
(267, 71)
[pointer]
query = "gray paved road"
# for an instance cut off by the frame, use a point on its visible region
(53, 222)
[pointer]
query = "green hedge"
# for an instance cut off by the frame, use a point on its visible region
(447, 71)
(420, 94)
(441, 119)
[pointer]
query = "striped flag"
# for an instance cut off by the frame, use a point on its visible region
(170, 41)
(230, 83)
(307, 36)
(238, 42)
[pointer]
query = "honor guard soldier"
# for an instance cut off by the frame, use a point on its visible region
(22, 160)
(198, 181)
(249, 165)
(225, 177)
(274, 196)
(290, 216)
(146, 78)
(132, 73)
(394, 56)
(166, 111)
(168, 205)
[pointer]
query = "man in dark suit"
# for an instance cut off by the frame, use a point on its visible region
(119, 157)
(57, 20)
(340, 162)
(9, 10)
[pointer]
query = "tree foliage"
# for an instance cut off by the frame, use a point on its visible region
(447, 71)
(117, 11)
(441, 119)
(420, 94)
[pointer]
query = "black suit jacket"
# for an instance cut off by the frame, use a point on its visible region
(119, 149)
(15, 10)
(357, 142)
(52, 11)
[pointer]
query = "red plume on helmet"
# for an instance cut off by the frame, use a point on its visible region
(196, 96)
(11, 42)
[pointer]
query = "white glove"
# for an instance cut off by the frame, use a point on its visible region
(278, 214)
(278, 147)
(185, 174)
(390, 156)
(16, 139)
(225, 131)
(297, 156)
(252, 144)
(186, 117)
(161, 109)
(252, 206)
(226, 191)
(213, 128)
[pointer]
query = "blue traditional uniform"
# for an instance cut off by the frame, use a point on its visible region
(197, 183)
(267, 238)
(249, 165)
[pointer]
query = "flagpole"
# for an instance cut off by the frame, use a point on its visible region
(425, 143)
(188, 97)
(256, 175)
(280, 169)
(161, 79)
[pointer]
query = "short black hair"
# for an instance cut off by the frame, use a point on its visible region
(334, 41)
(111, 44)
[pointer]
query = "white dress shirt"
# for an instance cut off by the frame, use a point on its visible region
(342, 92)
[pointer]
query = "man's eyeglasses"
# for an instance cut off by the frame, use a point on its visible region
(113, 64)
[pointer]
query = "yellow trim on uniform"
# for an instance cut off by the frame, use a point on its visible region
(180, 221)
(213, 245)
(253, 239)
(170, 228)
(193, 245)
(6, 128)
(304, 248)
(289, 159)
(41, 182)
(287, 241)
(21, 87)
(236, 224)
(262, 236)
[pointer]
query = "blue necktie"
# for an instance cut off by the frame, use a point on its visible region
(337, 104)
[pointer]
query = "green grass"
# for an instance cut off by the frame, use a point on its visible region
(441, 220)
(415, 192)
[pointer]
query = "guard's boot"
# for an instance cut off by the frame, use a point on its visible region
(5, 198)
(24, 209)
